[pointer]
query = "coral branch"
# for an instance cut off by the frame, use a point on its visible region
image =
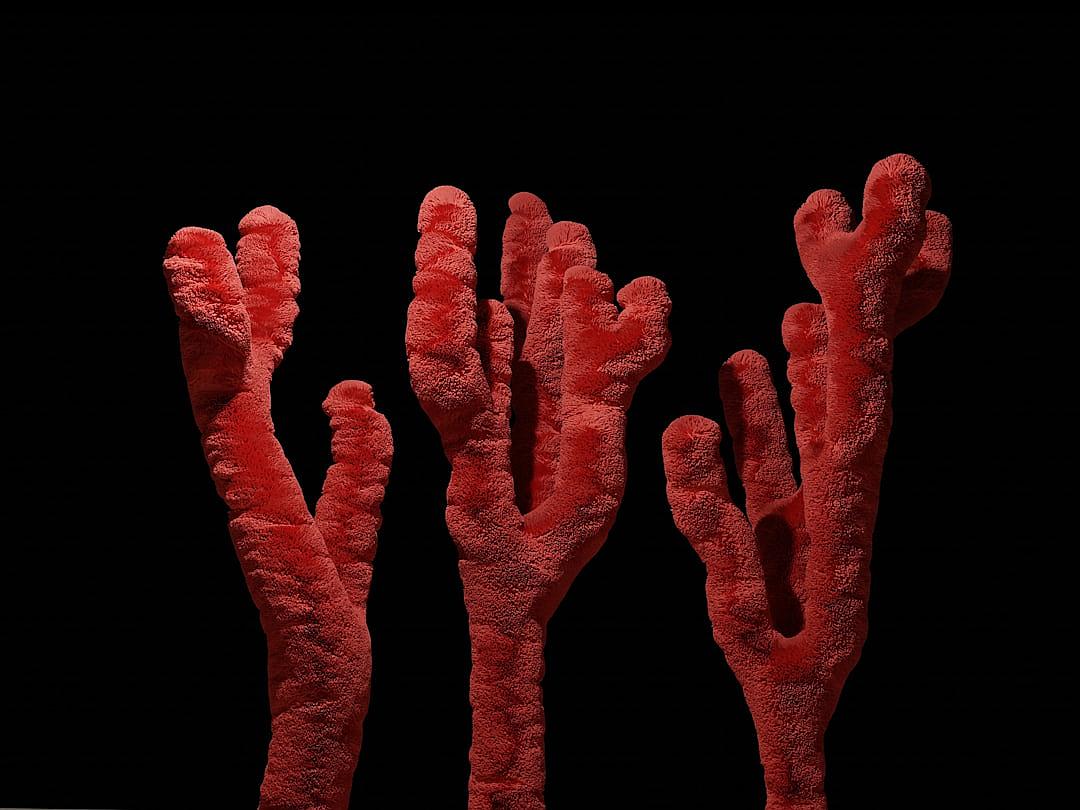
(788, 582)
(309, 577)
(527, 506)
(538, 367)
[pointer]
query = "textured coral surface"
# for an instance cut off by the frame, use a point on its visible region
(788, 581)
(529, 503)
(309, 576)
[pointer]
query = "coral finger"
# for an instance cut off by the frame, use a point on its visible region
(205, 287)
(268, 261)
(753, 415)
(347, 513)
(925, 281)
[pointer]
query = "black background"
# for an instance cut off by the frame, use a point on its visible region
(132, 672)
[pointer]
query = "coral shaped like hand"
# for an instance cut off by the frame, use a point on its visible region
(527, 505)
(309, 576)
(788, 581)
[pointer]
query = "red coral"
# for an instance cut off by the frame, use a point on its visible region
(527, 506)
(788, 581)
(309, 576)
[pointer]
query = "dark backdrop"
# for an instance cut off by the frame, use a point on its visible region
(132, 671)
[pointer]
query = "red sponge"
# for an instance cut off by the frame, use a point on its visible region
(309, 576)
(527, 506)
(788, 580)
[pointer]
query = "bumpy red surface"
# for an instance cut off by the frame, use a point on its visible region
(309, 576)
(527, 505)
(788, 581)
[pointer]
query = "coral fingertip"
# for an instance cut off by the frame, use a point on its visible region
(193, 243)
(824, 213)
(644, 290)
(528, 205)
(691, 431)
(898, 180)
(564, 234)
(265, 217)
(348, 396)
(449, 211)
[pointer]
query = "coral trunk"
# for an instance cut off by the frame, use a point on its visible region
(508, 717)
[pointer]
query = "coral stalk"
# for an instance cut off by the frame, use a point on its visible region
(529, 504)
(788, 581)
(309, 576)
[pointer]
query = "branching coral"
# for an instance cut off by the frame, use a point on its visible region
(527, 505)
(788, 581)
(309, 576)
